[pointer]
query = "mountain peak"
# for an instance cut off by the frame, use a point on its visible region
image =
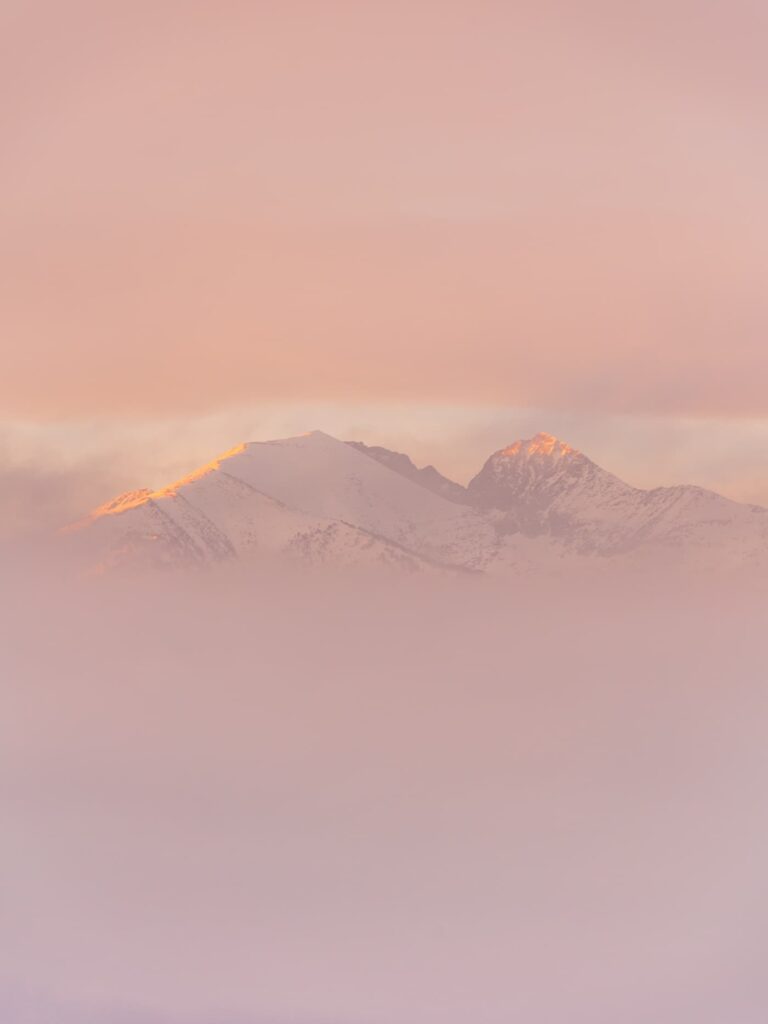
(319, 435)
(536, 478)
(309, 439)
(541, 444)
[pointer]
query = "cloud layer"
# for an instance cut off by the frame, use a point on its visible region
(349, 803)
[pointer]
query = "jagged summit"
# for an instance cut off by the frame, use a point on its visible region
(532, 474)
(543, 487)
(541, 444)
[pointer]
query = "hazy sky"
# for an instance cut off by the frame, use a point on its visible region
(424, 207)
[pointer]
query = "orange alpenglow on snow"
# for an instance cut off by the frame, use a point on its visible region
(132, 499)
(197, 474)
(541, 444)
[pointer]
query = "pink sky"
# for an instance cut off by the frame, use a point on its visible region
(492, 205)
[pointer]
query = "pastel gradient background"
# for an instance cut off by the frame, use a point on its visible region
(436, 226)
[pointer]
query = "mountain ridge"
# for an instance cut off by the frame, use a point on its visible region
(543, 486)
(426, 476)
(535, 503)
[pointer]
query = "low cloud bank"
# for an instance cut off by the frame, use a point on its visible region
(37, 499)
(314, 799)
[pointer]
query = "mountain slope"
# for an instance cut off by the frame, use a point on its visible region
(310, 497)
(319, 475)
(427, 476)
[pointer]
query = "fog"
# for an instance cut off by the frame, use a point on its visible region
(315, 799)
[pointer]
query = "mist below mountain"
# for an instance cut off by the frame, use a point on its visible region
(359, 799)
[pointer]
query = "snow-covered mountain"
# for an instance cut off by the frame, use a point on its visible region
(543, 487)
(535, 504)
(311, 497)
(210, 520)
